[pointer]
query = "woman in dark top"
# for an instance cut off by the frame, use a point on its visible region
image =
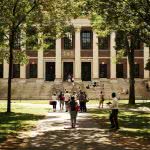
(73, 108)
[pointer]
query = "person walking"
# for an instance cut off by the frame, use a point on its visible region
(73, 109)
(81, 101)
(101, 99)
(53, 101)
(114, 112)
(85, 100)
(61, 100)
(67, 99)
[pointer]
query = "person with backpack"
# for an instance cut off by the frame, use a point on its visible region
(73, 109)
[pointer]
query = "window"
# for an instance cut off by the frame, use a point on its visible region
(103, 43)
(32, 37)
(1, 70)
(86, 39)
(68, 41)
(17, 41)
(50, 43)
(16, 71)
(136, 70)
(33, 71)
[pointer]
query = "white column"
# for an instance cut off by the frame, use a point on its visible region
(5, 69)
(113, 56)
(58, 70)
(23, 48)
(40, 57)
(77, 56)
(146, 57)
(95, 58)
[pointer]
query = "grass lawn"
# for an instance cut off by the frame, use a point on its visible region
(23, 117)
(133, 122)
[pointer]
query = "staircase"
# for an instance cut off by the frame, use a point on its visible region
(31, 89)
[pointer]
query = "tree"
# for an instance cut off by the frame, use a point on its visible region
(17, 14)
(131, 22)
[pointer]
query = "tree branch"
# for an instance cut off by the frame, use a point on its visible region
(27, 13)
(15, 6)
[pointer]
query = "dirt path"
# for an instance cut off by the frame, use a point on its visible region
(54, 133)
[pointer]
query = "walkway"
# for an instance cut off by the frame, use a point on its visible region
(54, 133)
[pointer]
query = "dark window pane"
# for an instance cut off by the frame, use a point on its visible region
(16, 71)
(33, 71)
(32, 37)
(86, 39)
(136, 70)
(17, 41)
(1, 70)
(50, 43)
(103, 43)
(68, 41)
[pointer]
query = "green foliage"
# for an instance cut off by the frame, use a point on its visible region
(54, 16)
(147, 67)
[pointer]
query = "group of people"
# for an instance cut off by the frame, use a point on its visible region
(77, 102)
(72, 102)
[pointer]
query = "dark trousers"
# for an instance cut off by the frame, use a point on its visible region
(81, 106)
(114, 118)
(84, 107)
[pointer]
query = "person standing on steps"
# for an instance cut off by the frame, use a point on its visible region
(114, 112)
(73, 109)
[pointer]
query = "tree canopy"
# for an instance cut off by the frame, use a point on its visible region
(130, 21)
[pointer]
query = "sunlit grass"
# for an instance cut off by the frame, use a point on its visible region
(23, 117)
(26, 113)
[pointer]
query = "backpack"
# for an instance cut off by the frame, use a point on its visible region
(72, 106)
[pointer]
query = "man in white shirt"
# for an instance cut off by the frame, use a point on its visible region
(114, 114)
(67, 99)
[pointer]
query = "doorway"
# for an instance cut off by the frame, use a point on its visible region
(119, 70)
(103, 71)
(86, 71)
(67, 71)
(50, 71)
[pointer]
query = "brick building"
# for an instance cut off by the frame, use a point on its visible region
(80, 54)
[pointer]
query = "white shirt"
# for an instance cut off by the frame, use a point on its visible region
(67, 97)
(114, 104)
(54, 98)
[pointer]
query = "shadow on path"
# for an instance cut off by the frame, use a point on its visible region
(54, 133)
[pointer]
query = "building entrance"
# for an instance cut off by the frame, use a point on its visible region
(50, 71)
(86, 71)
(119, 70)
(68, 71)
(103, 71)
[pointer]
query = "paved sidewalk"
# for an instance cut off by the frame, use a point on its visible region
(54, 133)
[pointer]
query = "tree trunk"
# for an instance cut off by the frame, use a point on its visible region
(131, 80)
(11, 45)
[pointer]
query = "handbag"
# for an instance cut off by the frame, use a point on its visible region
(51, 102)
